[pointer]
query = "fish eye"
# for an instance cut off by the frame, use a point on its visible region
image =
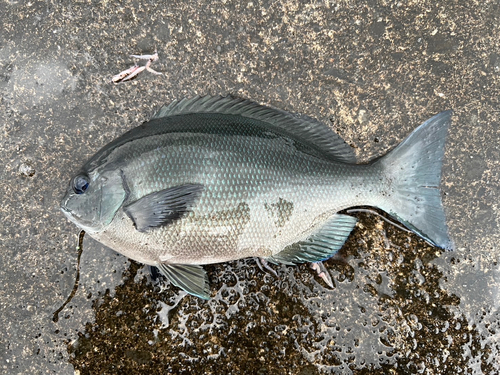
(80, 184)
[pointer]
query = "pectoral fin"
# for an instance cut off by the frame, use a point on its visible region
(163, 207)
(319, 246)
(190, 278)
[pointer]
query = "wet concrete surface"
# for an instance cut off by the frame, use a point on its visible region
(373, 71)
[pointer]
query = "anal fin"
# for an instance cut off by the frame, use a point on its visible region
(319, 246)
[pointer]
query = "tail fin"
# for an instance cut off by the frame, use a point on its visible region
(414, 171)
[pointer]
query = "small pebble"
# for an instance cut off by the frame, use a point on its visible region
(27, 170)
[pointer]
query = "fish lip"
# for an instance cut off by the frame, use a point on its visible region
(66, 212)
(63, 206)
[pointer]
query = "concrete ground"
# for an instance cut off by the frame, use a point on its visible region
(373, 71)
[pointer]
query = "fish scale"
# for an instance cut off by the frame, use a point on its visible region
(215, 179)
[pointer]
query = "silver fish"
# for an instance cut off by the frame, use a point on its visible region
(214, 179)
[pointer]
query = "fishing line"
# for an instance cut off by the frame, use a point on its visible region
(75, 287)
(367, 211)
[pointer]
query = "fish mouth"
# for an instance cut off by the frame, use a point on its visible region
(70, 215)
(67, 212)
(79, 222)
(64, 206)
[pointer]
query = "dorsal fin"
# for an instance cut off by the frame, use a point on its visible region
(306, 129)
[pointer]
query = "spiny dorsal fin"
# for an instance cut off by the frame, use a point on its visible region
(306, 129)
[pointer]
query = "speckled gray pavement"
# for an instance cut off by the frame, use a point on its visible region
(371, 70)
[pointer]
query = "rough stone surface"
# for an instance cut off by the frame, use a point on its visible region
(372, 70)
